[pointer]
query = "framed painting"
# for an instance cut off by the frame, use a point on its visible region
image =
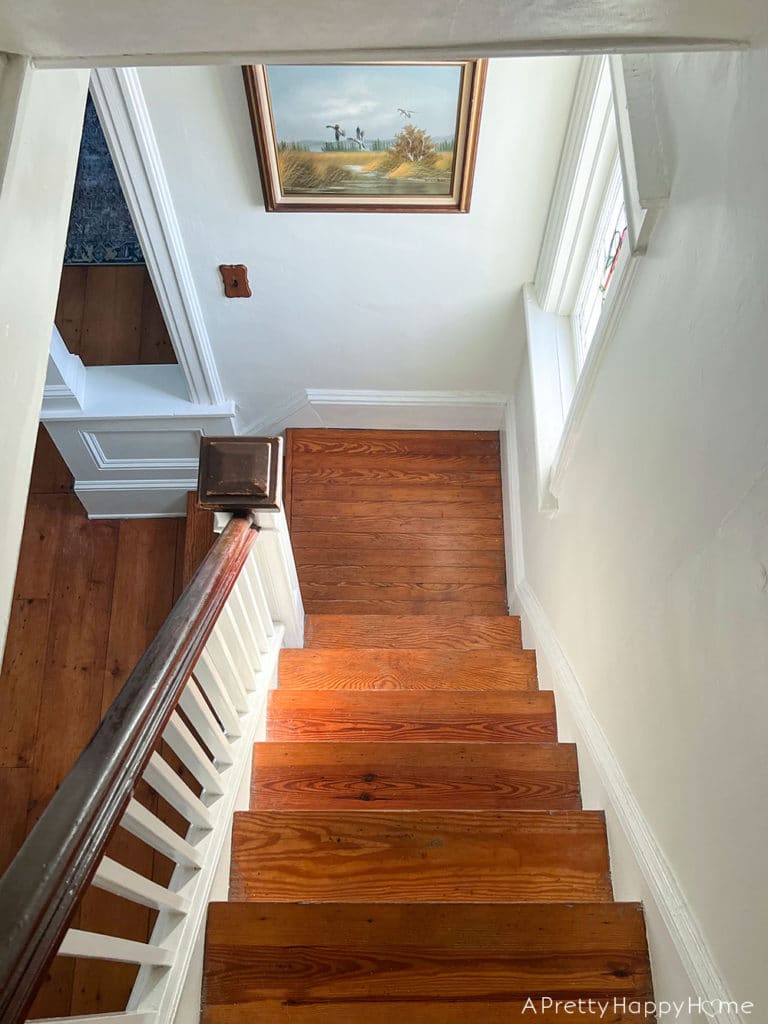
(384, 138)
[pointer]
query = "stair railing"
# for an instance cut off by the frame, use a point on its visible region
(200, 691)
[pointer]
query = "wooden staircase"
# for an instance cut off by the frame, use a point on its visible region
(416, 847)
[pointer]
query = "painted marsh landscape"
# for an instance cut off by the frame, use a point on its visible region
(330, 135)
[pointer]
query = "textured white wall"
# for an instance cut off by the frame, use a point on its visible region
(41, 116)
(654, 571)
(230, 30)
(363, 301)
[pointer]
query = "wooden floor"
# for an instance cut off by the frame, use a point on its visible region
(89, 597)
(109, 316)
(397, 522)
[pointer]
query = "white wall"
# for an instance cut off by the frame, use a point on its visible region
(654, 572)
(360, 301)
(143, 31)
(40, 125)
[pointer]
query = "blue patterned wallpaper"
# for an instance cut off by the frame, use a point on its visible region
(100, 227)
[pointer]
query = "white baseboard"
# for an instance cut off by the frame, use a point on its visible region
(408, 410)
(384, 410)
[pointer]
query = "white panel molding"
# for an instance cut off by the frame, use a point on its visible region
(675, 911)
(122, 109)
(137, 465)
(409, 410)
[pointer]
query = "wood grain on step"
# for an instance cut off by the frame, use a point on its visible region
(351, 541)
(414, 776)
(482, 471)
(381, 669)
(386, 508)
(408, 631)
(407, 443)
(396, 606)
(342, 575)
(437, 1011)
(400, 716)
(347, 955)
(392, 856)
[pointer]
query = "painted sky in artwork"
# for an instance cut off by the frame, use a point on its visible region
(306, 98)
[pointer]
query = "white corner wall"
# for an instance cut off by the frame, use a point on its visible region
(41, 119)
(652, 579)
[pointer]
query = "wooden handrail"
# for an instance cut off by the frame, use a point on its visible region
(40, 890)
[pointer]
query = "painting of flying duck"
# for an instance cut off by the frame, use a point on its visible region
(385, 138)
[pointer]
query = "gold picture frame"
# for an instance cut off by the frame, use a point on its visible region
(311, 162)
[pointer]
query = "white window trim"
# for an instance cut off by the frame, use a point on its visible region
(559, 405)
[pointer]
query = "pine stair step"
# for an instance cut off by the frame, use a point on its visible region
(395, 856)
(381, 669)
(416, 776)
(466, 633)
(291, 1011)
(402, 716)
(437, 963)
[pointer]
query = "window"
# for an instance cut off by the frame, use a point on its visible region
(601, 216)
(602, 265)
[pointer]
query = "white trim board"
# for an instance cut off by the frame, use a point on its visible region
(122, 110)
(676, 917)
(135, 499)
(386, 410)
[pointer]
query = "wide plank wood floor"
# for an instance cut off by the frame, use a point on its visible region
(397, 522)
(89, 597)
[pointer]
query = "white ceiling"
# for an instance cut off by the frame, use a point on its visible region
(127, 32)
(361, 301)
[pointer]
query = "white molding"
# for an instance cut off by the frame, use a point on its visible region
(409, 410)
(136, 465)
(667, 892)
(122, 109)
(514, 550)
(581, 164)
(135, 499)
(388, 410)
(276, 419)
(610, 317)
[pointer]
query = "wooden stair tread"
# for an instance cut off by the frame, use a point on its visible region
(416, 776)
(439, 1011)
(469, 632)
(400, 715)
(382, 669)
(392, 856)
(293, 956)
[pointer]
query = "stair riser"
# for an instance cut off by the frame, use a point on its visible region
(461, 716)
(375, 776)
(429, 632)
(359, 669)
(391, 856)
